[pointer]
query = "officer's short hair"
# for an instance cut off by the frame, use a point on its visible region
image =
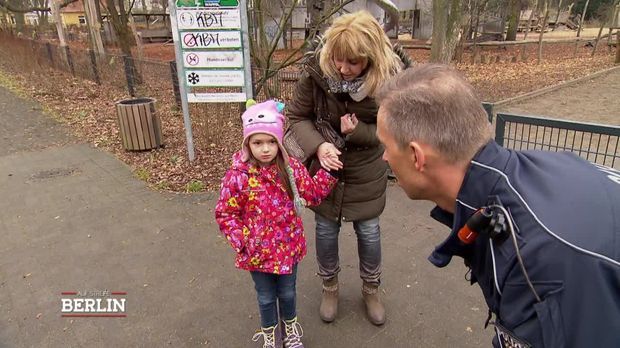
(434, 104)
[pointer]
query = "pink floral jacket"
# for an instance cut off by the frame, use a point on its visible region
(258, 217)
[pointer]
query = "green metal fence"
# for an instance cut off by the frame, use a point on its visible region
(594, 142)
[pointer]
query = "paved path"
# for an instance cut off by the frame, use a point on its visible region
(596, 100)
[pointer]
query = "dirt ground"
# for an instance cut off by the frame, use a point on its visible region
(595, 100)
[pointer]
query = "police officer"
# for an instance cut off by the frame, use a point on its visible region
(540, 231)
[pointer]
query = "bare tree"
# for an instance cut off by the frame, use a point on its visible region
(263, 48)
(18, 8)
(513, 20)
(42, 16)
(583, 16)
(94, 27)
(557, 15)
(612, 21)
(447, 16)
(542, 30)
(480, 7)
(617, 47)
(119, 18)
(606, 20)
(527, 30)
(466, 29)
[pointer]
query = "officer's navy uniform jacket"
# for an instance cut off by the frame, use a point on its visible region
(566, 214)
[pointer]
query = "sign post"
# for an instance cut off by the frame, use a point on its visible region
(212, 50)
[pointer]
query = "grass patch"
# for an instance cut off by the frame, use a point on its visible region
(162, 185)
(194, 186)
(142, 174)
(11, 84)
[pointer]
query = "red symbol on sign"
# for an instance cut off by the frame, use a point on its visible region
(189, 40)
(192, 59)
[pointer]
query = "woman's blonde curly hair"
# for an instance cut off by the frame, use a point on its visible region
(358, 35)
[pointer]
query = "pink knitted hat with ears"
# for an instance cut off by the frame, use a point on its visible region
(266, 118)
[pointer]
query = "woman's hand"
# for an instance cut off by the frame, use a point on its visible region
(328, 156)
(348, 123)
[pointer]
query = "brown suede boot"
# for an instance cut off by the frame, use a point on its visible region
(374, 308)
(329, 300)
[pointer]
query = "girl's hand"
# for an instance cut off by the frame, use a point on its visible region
(328, 156)
(348, 123)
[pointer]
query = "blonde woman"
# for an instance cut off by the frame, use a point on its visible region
(333, 115)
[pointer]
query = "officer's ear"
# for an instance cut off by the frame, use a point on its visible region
(418, 155)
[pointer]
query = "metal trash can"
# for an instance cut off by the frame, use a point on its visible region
(139, 125)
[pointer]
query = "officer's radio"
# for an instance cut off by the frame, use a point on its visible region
(494, 221)
(488, 221)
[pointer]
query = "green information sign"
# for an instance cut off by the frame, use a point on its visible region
(207, 3)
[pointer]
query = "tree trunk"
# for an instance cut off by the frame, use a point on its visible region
(542, 31)
(617, 47)
(20, 22)
(583, 18)
(118, 18)
(98, 12)
(454, 28)
(61, 30)
(59, 27)
(94, 30)
(527, 31)
(440, 25)
(600, 30)
(43, 20)
(612, 22)
(513, 20)
(557, 16)
(467, 31)
(136, 37)
(314, 8)
(42, 16)
(479, 8)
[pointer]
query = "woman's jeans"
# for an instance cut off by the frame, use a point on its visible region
(271, 290)
(368, 248)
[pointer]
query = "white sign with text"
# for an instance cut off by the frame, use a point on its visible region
(214, 78)
(208, 19)
(216, 97)
(213, 59)
(211, 39)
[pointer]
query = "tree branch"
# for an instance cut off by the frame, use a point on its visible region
(11, 8)
(281, 28)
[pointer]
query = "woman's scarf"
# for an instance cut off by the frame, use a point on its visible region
(355, 88)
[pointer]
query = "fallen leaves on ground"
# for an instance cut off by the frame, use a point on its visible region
(89, 110)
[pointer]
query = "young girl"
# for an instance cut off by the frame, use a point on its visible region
(259, 212)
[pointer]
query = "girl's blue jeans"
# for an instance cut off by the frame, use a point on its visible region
(273, 290)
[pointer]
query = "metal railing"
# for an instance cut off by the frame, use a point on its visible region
(593, 142)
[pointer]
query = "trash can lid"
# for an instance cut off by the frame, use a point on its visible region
(135, 101)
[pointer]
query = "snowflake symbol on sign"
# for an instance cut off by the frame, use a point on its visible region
(193, 78)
